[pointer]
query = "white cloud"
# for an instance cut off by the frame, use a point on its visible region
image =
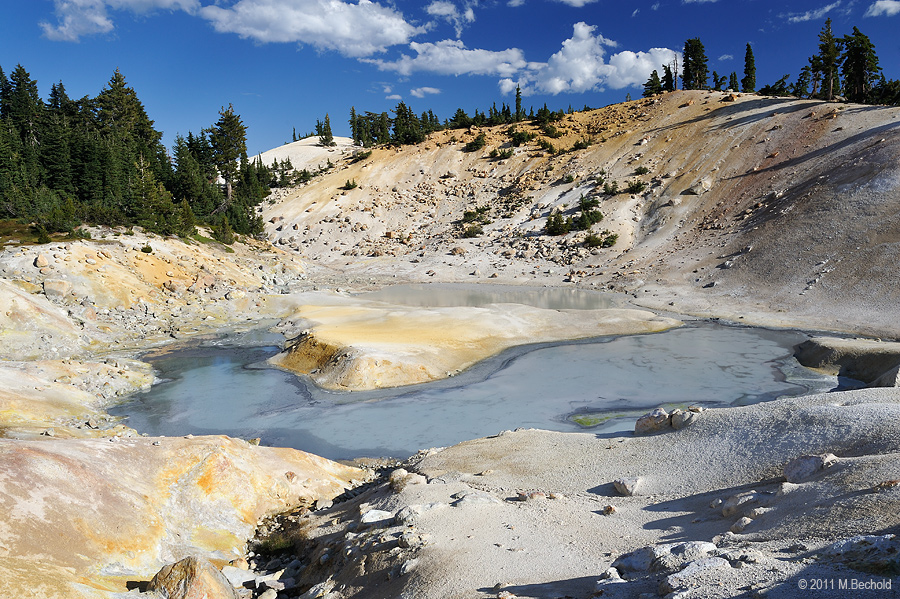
(726, 57)
(698, 1)
(451, 57)
(811, 15)
(448, 12)
(883, 7)
(576, 3)
(77, 18)
(421, 92)
(393, 97)
(636, 11)
(581, 65)
(654, 6)
(515, 3)
(355, 29)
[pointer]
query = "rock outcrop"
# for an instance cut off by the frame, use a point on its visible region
(82, 517)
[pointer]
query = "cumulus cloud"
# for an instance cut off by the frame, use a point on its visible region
(77, 18)
(451, 57)
(582, 65)
(421, 92)
(356, 29)
(811, 15)
(887, 8)
(447, 11)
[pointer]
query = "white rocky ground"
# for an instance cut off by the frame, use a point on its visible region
(766, 211)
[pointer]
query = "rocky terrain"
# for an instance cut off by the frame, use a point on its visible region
(775, 212)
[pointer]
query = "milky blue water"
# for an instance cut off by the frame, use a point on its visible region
(216, 390)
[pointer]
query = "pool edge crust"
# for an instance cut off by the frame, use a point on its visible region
(394, 346)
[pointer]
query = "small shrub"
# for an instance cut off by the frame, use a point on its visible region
(557, 225)
(517, 138)
(551, 131)
(636, 186)
(473, 231)
(147, 249)
(479, 215)
(582, 144)
(501, 154)
(546, 145)
(641, 170)
(360, 156)
(570, 178)
(476, 144)
(611, 188)
(349, 185)
(603, 240)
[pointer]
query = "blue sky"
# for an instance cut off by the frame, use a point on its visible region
(285, 63)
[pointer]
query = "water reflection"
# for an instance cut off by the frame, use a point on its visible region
(210, 390)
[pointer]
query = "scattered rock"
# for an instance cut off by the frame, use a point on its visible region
(379, 517)
(41, 261)
(683, 418)
(802, 468)
(627, 486)
(474, 497)
(192, 578)
(740, 525)
(685, 578)
(741, 503)
(868, 553)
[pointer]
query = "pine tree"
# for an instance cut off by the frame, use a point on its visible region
(653, 86)
(326, 139)
(748, 83)
(829, 53)
(229, 145)
(694, 70)
(859, 66)
(733, 82)
(668, 79)
(354, 127)
(520, 114)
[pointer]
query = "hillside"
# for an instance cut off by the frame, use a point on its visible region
(766, 209)
(776, 212)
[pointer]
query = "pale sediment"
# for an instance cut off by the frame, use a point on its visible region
(369, 346)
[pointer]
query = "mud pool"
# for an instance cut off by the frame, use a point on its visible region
(600, 385)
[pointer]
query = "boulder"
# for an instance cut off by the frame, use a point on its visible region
(891, 378)
(862, 359)
(192, 578)
(654, 422)
(41, 261)
(57, 288)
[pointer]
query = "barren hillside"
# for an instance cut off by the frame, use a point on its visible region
(754, 207)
